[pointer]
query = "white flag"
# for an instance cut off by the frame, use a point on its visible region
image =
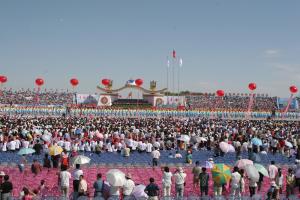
(180, 62)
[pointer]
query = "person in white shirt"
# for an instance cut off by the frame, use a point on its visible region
(272, 171)
(83, 186)
(67, 145)
(25, 144)
(179, 177)
(235, 182)
(76, 179)
(128, 185)
(65, 177)
(12, 145)
(167, 182)
(18, 144)
(149, 147)
(155, 157)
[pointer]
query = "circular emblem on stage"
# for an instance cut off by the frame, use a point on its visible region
(159, 102)
(104, 100)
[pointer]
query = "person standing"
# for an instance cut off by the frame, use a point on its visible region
(279, 180)
(167, 182)
(98, 185)
(235, 182)
(76, 174)
(179, 182)
(152, 190)
(65, 177)
(252, 187)
(196, 172)
(155, 157)
(128, 186)
(6, 188)
(83, 186)
(204, 179)
(290, 183)
(273, 170)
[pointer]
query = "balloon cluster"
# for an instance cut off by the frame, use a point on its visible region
(220, 93)
(39, 82)
(3, 79)
(74, 82)
(252, 86)
(293, 89)
(105, 81)
(139, 82)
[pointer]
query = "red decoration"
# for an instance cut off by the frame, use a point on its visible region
(74, 82)
(139, 82)
(39, 82)
(3, 79)
(105, 82)
(174, 54)
(252, 86)
(220, 93)
(293, 89)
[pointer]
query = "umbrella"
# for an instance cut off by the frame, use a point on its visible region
(241, 164)
(202, 139)
(115, 177)
(208, 165)
(231, 148)
(25, 151)
(81, 160)
(46, 137)
(256, 141)
(184, 138)
(252, 172)
(255, 158)
(221, 174)
(55, 150)
(288, 144)
(224, 147)
(138, 192)
(260, 168)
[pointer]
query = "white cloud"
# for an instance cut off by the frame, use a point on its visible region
(272, 53)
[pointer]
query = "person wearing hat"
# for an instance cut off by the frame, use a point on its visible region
(128, 186)
(2, 174)
(179, 177)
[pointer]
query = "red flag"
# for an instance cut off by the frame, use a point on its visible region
(174, 54)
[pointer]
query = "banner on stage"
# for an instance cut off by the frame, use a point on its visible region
(86, 99)
(283, 102)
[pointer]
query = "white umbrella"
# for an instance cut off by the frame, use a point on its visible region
(252, 172)
(184, 138)
(138, 192)
(241, 164)
(288, 144)
(224, 147)
(81, 160)
(202, 139)
(231, 148)
(46, 137)
(115, 177)
(208, 165)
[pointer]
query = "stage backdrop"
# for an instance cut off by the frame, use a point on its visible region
(86, 99)
(282, 103)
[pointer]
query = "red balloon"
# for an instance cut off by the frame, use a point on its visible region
(252, 86)
(3, 79)
(220, 93)
(39, 82)
(74, 82)
(293, 89)
(105, 81)
(139, 82)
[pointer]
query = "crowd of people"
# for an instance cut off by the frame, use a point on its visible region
(35, 97)
(232, 102)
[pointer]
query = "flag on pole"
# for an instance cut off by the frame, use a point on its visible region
(180, 62)
(174, 54)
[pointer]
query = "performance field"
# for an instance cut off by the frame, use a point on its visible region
(67, 145)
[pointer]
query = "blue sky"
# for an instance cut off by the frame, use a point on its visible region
(223, 44)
